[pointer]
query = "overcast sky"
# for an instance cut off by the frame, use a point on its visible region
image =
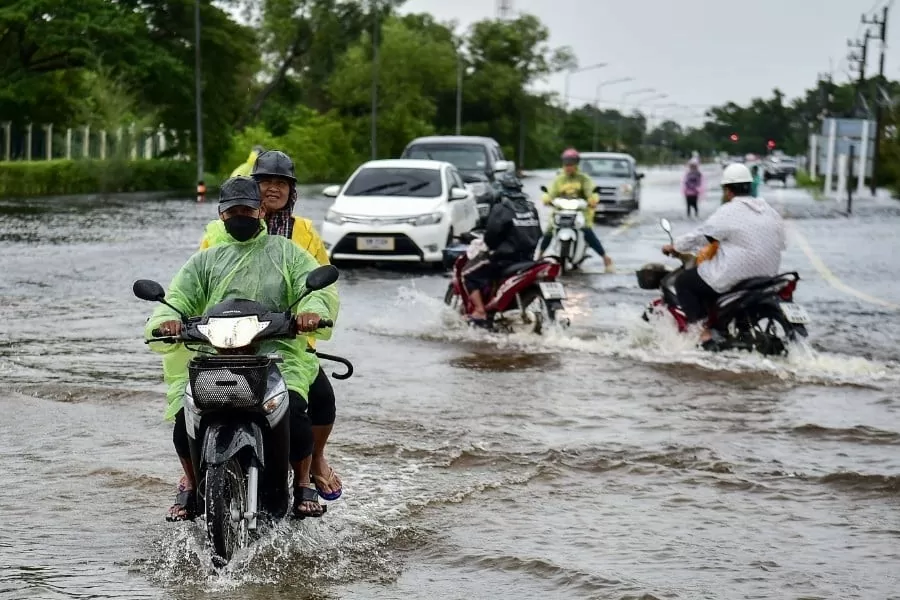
(698, 52)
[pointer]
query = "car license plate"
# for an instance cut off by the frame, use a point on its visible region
(375, 243)
(552, 290)
(794, 313)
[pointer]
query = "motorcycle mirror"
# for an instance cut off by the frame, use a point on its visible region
(667, 227)
(321, 277)
(149, 290)
(596, 189)
(544, 189)
(317, 279)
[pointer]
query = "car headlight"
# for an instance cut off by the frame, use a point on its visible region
(626, 189)
(478, 189)
(429, 219)
(334, 217)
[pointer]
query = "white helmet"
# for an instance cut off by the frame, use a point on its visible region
(736, 173)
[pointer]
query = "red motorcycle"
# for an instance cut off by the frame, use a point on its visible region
(525, 300)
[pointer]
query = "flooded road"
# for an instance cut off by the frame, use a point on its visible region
(614, 461)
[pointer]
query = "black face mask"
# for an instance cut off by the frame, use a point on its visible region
(242, 227)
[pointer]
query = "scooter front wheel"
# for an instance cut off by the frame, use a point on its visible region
(226, 504)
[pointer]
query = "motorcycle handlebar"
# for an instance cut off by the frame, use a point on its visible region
(174, 339)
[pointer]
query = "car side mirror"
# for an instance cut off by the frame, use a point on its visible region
(458, 194)
(639, 175)
(501, 166)
(331, 191)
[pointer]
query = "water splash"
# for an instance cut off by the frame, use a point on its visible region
(623, 334)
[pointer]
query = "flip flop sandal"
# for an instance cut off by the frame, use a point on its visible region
(184, 504)
(306, 494)
(321, 482)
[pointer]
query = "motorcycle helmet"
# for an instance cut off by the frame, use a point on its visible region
(570, 157)
(274, 163)
(736, 173)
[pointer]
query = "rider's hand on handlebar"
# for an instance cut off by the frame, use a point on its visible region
(169, 328)
(668, 250)
(307, 322)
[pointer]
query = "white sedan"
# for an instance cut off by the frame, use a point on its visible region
(398, 210)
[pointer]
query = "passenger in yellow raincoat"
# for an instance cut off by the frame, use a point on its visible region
(274, 171)
(246, 262)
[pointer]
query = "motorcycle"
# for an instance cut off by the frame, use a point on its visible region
(236, 411)
(568, 243)
(525, 300)
(748, 317)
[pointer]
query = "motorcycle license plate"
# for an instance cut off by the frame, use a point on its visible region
(794, 313)
(552, 290)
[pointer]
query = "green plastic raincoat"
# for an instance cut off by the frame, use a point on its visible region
(268, 269)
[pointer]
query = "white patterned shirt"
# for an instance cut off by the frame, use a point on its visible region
(751, 238)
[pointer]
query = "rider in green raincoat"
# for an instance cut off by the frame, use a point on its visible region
(248, 263)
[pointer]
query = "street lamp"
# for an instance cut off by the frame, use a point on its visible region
(198, 92)
(600, 85)
(571, 72)
(622, 107)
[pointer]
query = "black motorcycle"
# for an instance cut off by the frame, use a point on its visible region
(236, 411)
(757, 314)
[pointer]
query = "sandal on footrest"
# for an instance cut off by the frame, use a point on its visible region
(183, 509)
(307, 493)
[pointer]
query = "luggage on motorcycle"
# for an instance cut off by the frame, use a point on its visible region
(650, 276)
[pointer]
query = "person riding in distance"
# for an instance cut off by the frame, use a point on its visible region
(572, 183)
(746, 237)
(273, 170)
(268, 269)
(512, 231)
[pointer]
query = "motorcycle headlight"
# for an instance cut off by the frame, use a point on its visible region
(626, 189)
(429, 219)
(478, 188)
(334, 217)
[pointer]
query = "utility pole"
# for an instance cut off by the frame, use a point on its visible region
(860, 60)
(504, 9)
(198, 93)
(374, 117)
(876, 156)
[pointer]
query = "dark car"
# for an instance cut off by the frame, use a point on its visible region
(479, 160)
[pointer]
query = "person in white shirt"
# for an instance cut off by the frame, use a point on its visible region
(748, 237)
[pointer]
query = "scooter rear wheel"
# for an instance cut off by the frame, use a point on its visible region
(226, 503)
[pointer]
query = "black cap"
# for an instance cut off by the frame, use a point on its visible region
(274, 163)
(239, 191)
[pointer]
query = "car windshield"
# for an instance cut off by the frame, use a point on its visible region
(396, 181)
(606, 167)
(465, 157)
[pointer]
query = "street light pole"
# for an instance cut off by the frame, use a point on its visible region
(198, 91)
(597, 105)
(622, 113)
(374, 116)
(459, 84)
(571, 72)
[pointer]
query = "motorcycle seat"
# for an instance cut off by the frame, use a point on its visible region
(518, 267)
(753, 282)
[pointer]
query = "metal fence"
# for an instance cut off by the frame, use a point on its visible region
(31, 142)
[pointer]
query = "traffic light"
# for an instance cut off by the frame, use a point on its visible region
(734, 137)
(770, 144)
